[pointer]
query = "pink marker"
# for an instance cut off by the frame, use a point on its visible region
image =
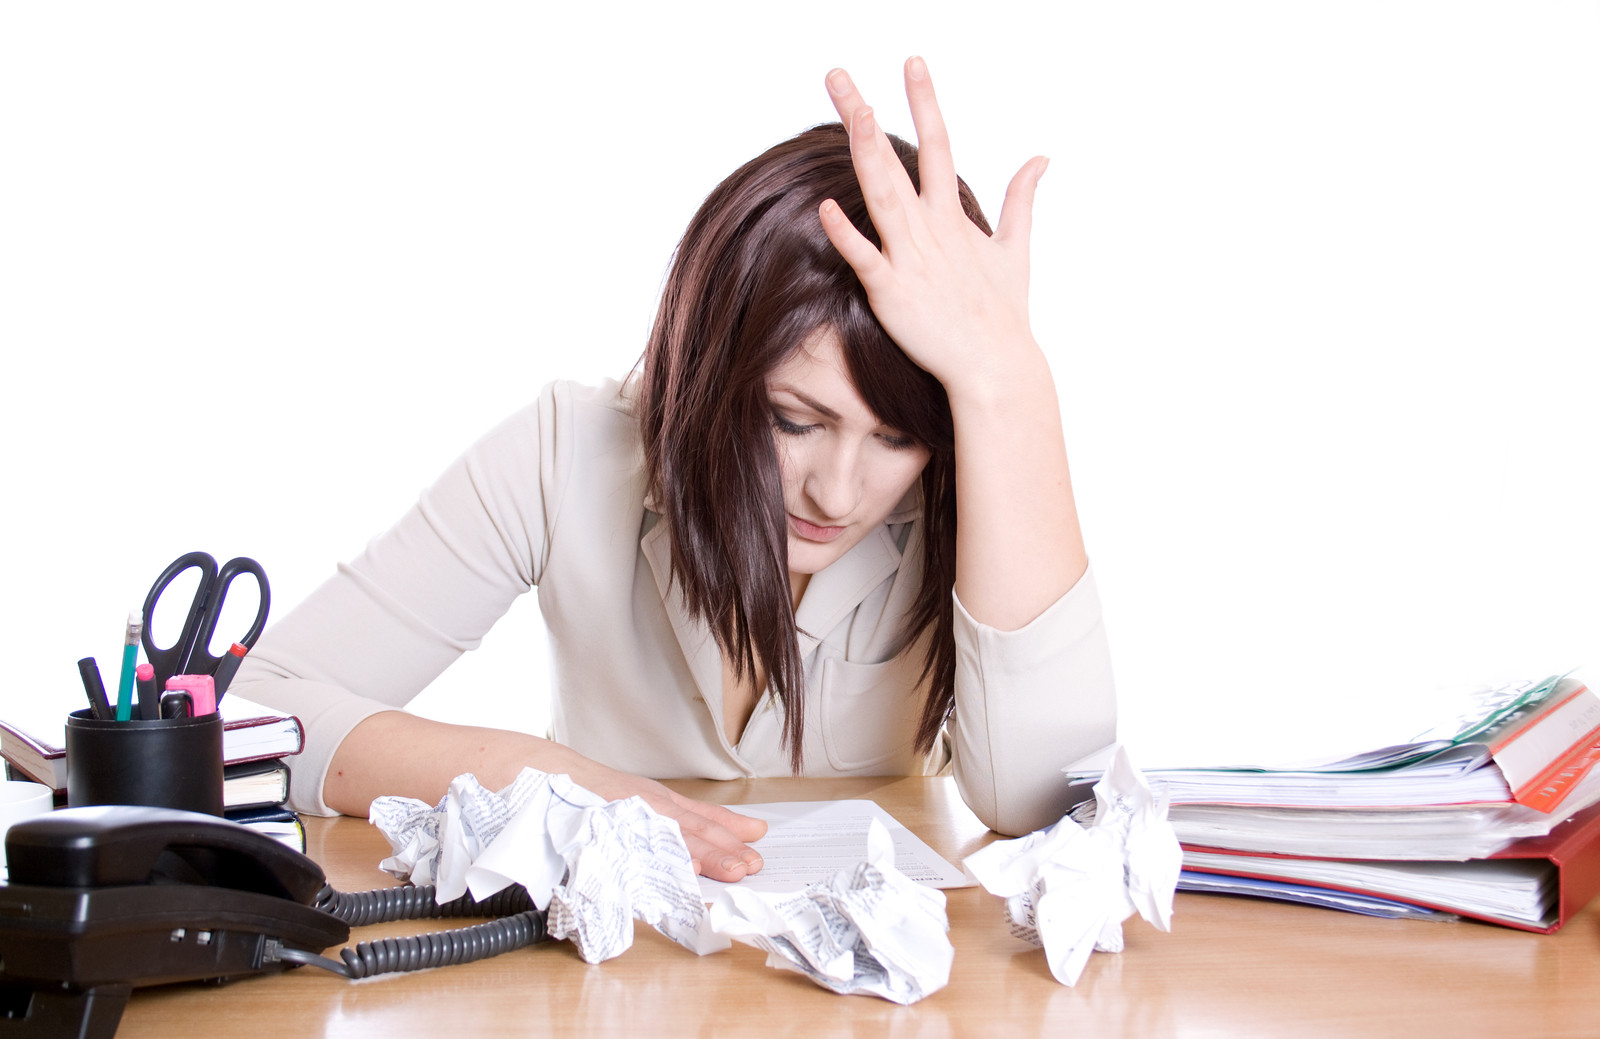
(144, 679)
(201, 689)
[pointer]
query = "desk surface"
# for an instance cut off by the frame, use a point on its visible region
(1230, 967)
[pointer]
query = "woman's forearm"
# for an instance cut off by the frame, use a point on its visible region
(401, 754)
(1018, 544)
(405, 755)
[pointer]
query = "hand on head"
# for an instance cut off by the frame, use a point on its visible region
(952, 297)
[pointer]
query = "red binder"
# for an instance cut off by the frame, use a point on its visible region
(1573, 848)
(1571, 851)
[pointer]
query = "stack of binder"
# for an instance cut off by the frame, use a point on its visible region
(256, 741)
(1494, 816)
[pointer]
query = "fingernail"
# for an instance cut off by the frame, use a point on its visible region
(839, 82)
(864, 120)
(730, 863)
(916, 68)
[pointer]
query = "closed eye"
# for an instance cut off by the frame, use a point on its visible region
(897, 441)
(793, 429)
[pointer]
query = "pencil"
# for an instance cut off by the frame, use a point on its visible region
(130, 657)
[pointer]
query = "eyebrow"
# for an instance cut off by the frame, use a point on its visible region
(810, 402)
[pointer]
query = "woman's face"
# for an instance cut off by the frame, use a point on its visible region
(843, 470)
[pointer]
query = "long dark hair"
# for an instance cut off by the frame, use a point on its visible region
(752, 279)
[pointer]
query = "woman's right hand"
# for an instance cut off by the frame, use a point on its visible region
(396, 752)
(718, 839)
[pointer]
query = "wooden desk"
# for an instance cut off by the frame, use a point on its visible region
(1230, 967)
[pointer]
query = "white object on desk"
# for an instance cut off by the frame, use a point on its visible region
(19, 801)
(1069, 888)
(867, 930)
(808, 841)
(598, 866)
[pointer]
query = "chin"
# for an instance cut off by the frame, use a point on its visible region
(806, 557)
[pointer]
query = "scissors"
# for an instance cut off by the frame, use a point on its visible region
(191, 653)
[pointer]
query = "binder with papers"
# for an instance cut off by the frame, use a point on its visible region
(1535, 884)
(1493, 815)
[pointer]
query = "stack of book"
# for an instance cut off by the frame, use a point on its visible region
(1495, 816)
(255, 742)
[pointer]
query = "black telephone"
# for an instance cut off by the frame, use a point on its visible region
(103, 900)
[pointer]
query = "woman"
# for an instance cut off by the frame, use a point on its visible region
(841, 388)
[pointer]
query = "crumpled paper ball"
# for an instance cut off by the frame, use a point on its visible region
(868, 929)
(596, 866)
(1069, 888)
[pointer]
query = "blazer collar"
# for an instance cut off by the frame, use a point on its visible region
(832, 593)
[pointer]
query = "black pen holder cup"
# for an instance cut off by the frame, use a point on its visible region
(163, 763)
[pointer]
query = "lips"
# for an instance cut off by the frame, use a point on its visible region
(811, 532)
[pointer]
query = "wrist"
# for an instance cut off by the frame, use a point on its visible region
(999, 377)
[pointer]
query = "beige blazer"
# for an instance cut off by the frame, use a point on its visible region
(555, 498)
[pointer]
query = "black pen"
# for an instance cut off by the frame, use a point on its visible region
(99, 706)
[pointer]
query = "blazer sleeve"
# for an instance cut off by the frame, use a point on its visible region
(421, 594)
(1028, 703)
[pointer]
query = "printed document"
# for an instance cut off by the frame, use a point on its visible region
(809, 841)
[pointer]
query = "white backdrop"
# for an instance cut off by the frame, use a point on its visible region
(1318, 283)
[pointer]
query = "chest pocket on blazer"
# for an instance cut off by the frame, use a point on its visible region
(870, 714)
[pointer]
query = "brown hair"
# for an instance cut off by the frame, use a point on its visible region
(752, 279)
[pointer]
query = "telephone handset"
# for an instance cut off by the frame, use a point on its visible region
(105, 899)
(120, 846)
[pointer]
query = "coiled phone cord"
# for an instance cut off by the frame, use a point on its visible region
(519, 924)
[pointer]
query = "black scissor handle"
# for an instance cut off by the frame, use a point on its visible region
(171, 660)
(231, 569)
(199, 660)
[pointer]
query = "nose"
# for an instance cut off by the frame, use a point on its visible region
(834, 481)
